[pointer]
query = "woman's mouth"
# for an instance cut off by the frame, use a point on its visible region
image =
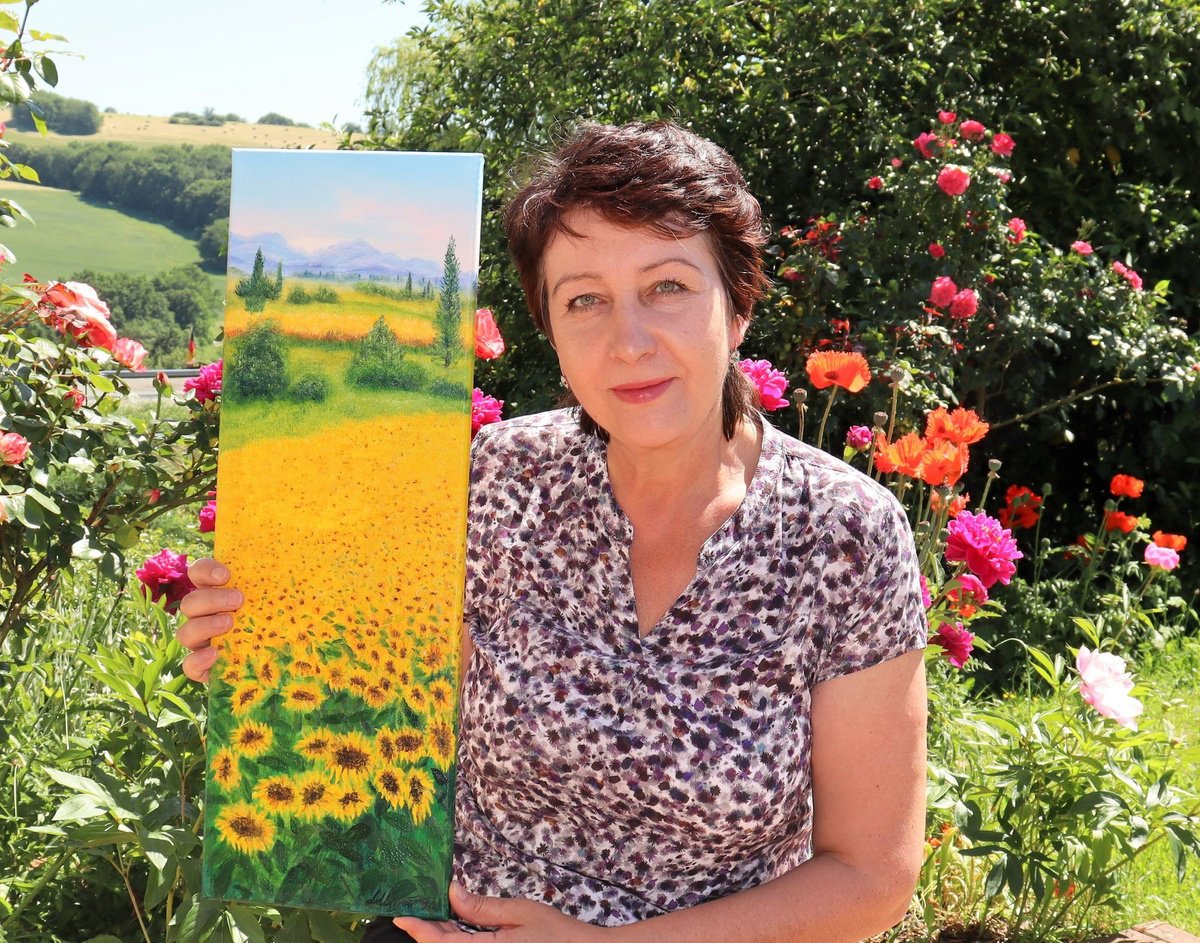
(641, 392)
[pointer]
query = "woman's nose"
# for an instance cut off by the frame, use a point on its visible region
(631, 337)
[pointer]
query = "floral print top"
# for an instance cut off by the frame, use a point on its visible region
(615, 776)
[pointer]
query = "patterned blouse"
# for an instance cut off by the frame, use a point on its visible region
(618, 777)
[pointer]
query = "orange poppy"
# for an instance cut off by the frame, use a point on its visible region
(957, 504)
(962, 426)
(838, 368)
(1176, 542)
(1126, 486)
(904, 455)
(1118, 520)
(944, 463)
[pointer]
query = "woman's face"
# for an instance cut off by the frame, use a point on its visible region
(643, 329)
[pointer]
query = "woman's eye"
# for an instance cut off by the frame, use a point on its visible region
(669, 287)
(581, 301)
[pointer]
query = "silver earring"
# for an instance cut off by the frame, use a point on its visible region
(562, 380)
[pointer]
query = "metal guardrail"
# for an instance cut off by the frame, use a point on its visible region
(171, 374)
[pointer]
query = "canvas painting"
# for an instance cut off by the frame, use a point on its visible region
(342, 482)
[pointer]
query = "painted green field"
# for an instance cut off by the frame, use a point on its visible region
(71, 234)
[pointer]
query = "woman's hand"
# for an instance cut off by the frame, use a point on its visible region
(516, 921)
(209, 612)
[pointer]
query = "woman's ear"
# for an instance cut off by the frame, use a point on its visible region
(737, 332)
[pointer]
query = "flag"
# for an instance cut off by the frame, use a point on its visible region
(191, 358)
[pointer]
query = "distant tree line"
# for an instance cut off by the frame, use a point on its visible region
(62, 115)
(183, 185)
(207, 118)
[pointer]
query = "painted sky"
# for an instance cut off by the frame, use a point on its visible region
(409, 204)
(306, 59)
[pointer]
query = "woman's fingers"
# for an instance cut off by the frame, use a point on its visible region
(198, 632)
(207, 572)
(197, 665)
(208, 602)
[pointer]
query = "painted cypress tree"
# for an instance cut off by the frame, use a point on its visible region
(276, 289)
(408, 287)
(257, 290)
(449, 313)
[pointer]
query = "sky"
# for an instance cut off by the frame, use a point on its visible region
(306, 59)
(408, 204)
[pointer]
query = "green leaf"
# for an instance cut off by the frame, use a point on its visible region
(24, 171)
(247, 922)
(995, 880)
(9, 22)
(127, 536)
(80, 809)
(49, 70)
(44, 500)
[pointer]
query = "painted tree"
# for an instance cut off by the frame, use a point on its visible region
(257, 290)
(448, 319)
(408, 287)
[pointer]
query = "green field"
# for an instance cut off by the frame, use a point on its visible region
(71, 234)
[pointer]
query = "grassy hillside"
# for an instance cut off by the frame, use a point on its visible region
(148, 130)
(72, 234)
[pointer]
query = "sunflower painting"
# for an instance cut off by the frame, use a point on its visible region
(345, 431)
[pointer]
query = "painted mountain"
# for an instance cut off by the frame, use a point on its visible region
(352, 258)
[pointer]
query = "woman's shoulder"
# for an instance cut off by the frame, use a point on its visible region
(538, 435)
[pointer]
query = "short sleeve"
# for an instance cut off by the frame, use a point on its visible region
(875, 612)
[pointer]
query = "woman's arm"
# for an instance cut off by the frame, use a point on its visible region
(868, 764)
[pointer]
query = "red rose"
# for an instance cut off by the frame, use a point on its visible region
(947, 117)
(875, 183)
(923, 141)
(1003, 145)
(943, 291)
(76, 397)
(936, 250)
(953, 180)
(964, 304)
(972, 130)
(1017, 229)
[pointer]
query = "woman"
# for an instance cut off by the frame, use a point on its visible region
(693, 706)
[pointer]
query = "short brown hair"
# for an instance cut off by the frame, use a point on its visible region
(654, 174)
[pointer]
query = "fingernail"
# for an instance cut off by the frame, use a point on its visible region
(210, 657)
(221, 573)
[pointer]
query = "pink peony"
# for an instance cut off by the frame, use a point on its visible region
(926, 595)
(488, 343)
(984, 545)
(1002, 144)
(923, 141)
(165, 574)
(972, 130)
(770, 383)
(1134, 279)
(947, 117)
(1017, 230)
(1083, 248)
(859, 437)
(964, 304)
(129, 352)
(484, 410)
(208, 384)
(13, 448)
(77, 310)
(1105, 684)
(208, 515)
(942, 292)
(953, 180)
(875, 183)
(1162, 557)
(971, 586)
(956, 641)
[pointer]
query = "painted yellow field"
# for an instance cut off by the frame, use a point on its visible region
(314, 324)
(348, 547)
(149, 129)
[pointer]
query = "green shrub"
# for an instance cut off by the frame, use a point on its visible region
(449, 389)
(64, 115)
(310, 388)
(325, 295)
(378, 362)
(258, 367)
(383, 291)
(298, 296)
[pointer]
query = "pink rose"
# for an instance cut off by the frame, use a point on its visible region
(953, 180)
(1162, 557)
(1017, 228)
(208, 384)
(1004, 176)
(76, 397)
(956, 641)
(942, 292)
(129, 352)
(153, 495)
(972, 130)
(964, 304)
(859, 437)
(875, 183)
(1105, 685)
(488, 343)
(1083, 248)
(13, 448)
(165, 574)
(78, 310)
(936, 250)
(208, 516)
(484, 410)
(770, 383)
(947, 117)
(985, 546)
(1134, 279)
(1002, 144)
(926, 595)
(897, 163)
(923, 141)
